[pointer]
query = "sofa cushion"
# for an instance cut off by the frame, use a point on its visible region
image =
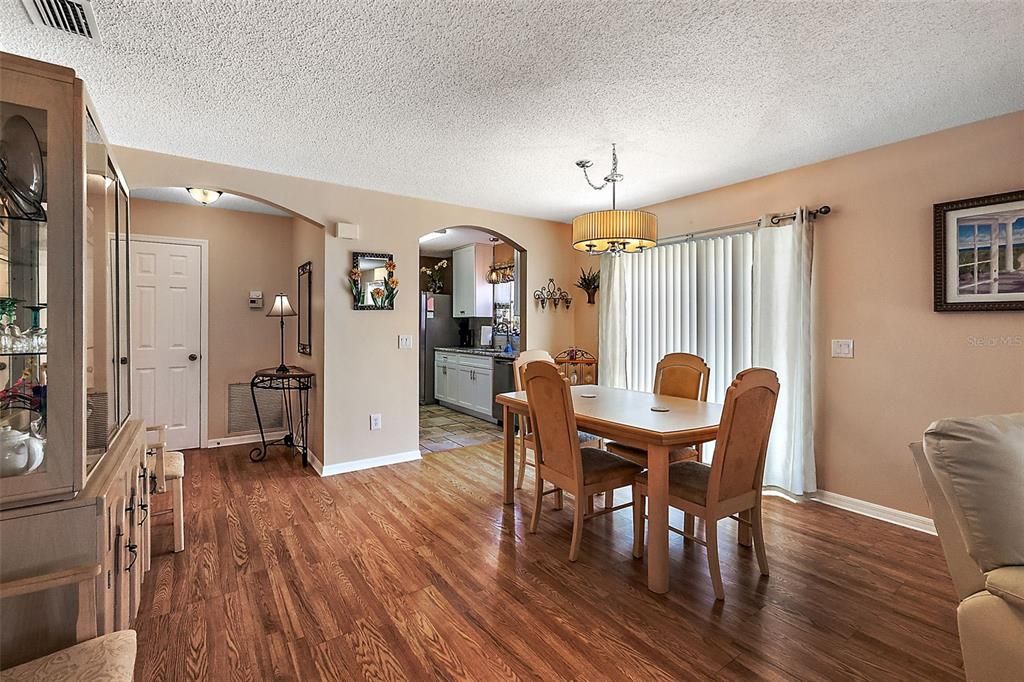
(1008, 584)
(979, 464)
(110, 658)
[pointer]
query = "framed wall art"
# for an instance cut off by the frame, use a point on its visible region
(979, 253)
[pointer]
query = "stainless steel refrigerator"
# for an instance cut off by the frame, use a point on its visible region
(438, 329)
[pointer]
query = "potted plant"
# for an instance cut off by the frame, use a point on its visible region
(433, 274)
(590, 282)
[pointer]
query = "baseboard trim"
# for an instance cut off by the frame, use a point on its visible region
(360, 464)
(876, 511)
(244, 439)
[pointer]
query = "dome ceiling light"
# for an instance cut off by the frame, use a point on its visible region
(615, 231)
(204, 196)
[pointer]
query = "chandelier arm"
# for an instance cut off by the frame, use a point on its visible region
(587, 176)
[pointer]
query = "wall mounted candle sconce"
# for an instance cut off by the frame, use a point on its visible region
(552, 293)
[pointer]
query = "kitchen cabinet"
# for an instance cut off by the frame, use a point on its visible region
(441, 380)
(465, 383)
(472, 296)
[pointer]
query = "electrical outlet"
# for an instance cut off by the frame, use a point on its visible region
(375, 422)
(404, 341)
(842, 348)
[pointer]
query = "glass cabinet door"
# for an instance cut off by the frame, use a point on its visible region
(107, 365)
(40, 458)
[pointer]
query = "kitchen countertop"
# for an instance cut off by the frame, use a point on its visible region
(482, 352)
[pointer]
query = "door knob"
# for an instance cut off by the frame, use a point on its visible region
(193, 357)
(124, 360)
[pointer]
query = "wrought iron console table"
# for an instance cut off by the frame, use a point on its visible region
(296, 380)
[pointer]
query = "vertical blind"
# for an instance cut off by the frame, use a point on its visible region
(693, 297)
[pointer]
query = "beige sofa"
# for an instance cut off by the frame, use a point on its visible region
(973, 473)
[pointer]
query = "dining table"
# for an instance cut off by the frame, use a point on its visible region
(650, 421)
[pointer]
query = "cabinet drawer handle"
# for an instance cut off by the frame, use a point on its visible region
(134, 551)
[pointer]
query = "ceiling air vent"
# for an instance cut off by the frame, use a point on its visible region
(70, 16)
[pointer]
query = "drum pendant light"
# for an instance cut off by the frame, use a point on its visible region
(613, 231)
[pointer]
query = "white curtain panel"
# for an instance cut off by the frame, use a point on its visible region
(737, 301)
(612, 324)
(782, 335)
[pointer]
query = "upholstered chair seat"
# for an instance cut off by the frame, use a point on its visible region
(687, 480)
(639, 455)
(174, 465)
(599, 465)
(110, 658)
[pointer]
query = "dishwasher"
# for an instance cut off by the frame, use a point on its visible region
(504, 382)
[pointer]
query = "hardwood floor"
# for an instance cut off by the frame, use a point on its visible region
(417, 571)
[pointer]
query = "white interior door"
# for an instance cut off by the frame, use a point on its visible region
(167, 338)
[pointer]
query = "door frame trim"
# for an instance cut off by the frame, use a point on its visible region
(204, 322)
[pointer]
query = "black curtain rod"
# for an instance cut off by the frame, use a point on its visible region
(824, 209)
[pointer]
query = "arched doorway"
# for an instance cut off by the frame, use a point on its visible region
(472, 325)
(238, 253)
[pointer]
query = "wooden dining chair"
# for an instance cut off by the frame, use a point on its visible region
(582, 472)
(680, 375)
(526, 439)
(730, 487)
(169, 472)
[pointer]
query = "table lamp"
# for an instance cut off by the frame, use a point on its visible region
(282, 309)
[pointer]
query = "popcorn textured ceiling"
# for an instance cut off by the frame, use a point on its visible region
(489, 104)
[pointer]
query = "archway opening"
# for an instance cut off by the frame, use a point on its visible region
(236, 255)
(472, 323)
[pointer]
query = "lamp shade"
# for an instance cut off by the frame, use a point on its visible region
(615, 231)
(281, 307)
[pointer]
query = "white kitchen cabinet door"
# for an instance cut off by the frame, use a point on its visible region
(440, 380)
(463, 394)
(480, 397)
(472, 296)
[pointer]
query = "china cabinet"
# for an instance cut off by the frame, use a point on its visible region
(74, 479)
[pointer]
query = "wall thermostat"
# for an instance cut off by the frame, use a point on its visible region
(256, 299)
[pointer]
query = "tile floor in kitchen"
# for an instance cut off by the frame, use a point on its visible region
(443, 429)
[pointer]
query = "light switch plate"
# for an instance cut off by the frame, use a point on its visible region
(842, 348)
(404, 341)
(375, 422)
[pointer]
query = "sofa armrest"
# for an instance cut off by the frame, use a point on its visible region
(1007, 583)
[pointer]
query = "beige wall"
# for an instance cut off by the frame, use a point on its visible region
(873, 279)
(247, 251)
(364, 371)
(308, 245)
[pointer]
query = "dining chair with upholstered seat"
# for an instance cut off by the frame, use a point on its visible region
(580, 471)
(526, 439)
(730, 487)
(680, 375)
